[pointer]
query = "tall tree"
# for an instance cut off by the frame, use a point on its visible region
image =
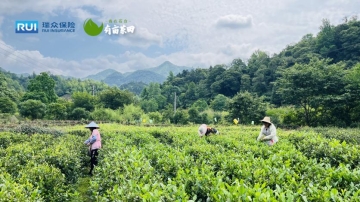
(43, 83)
(326, 40)
(33, 109)
(83, 100)
(115, 98)
(309, 85)
(247, 107)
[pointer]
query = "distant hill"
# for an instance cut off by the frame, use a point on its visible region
(165, 68)
(135, 87)
(143, 76)
(24, 74)
(67, 77)
(155, 74)
(114, 79)
(101, 75)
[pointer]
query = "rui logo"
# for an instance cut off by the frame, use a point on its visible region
(91, 28)
(22, 26)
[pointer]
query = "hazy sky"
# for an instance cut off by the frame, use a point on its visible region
(187, 33)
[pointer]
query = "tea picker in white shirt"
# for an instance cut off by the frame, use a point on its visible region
(268, 132)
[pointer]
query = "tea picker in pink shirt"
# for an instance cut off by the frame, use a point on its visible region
(94, 143)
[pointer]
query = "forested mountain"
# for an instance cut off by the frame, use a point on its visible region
(101, 75)
(63, 85)
(313, 75)
(313, 82)
(155, 74)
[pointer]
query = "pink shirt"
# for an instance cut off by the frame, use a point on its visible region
(97, 143)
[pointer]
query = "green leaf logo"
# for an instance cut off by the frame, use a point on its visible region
(91, 28)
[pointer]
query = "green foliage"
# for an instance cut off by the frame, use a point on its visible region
(205, 118)
(317, 75)
(194, 115)
(155, 116)
(41, 96)
(43, 83)
(33, 109)
(45, 178)
(312, 86)
(79, 113)
(9, 88)
(13, 191)
(7, 105)
(56, 111)
(67, 86)
(326, 38)
(149, 105)
(168, 113)
(131, 113)
(283, 116)
(180, 117)
(84, 100)
(155, 164)
(246, 107)
(174, 164)
(40, 167)
(134, 87)
(80, 133)
(228, 83)
(104, 114)
(30, 130)
(219, 103)
(344, 135)
(200, 105)
(115, 98)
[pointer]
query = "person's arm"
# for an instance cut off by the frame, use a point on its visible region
(215, 131)
(260, 134)
(272, 134)
(93, 139)
(87, 141)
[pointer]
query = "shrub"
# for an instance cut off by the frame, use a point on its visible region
(30, 130)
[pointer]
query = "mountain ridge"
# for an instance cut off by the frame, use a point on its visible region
(154, 74)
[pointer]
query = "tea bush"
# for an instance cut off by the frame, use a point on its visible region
(41, 167)
(174, 164)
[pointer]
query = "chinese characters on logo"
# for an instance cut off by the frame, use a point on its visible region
(58, 27)
(116, 29)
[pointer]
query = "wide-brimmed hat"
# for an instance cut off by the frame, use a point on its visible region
(266, 119)
(92, 125)
(202, 129)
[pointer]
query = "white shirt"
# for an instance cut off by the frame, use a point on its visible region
(268, 133)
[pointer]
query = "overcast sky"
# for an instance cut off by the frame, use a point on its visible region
(187, 33)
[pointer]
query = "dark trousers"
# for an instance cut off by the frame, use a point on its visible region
(93, 160)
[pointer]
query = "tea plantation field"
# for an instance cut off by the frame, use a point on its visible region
(174, 164)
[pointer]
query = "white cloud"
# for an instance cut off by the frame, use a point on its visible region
(19, 61)
(236, 50)
(54, 7)
(81, 13)
(234, 21)
(187, 26)
(32, 39)
(141, 38)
